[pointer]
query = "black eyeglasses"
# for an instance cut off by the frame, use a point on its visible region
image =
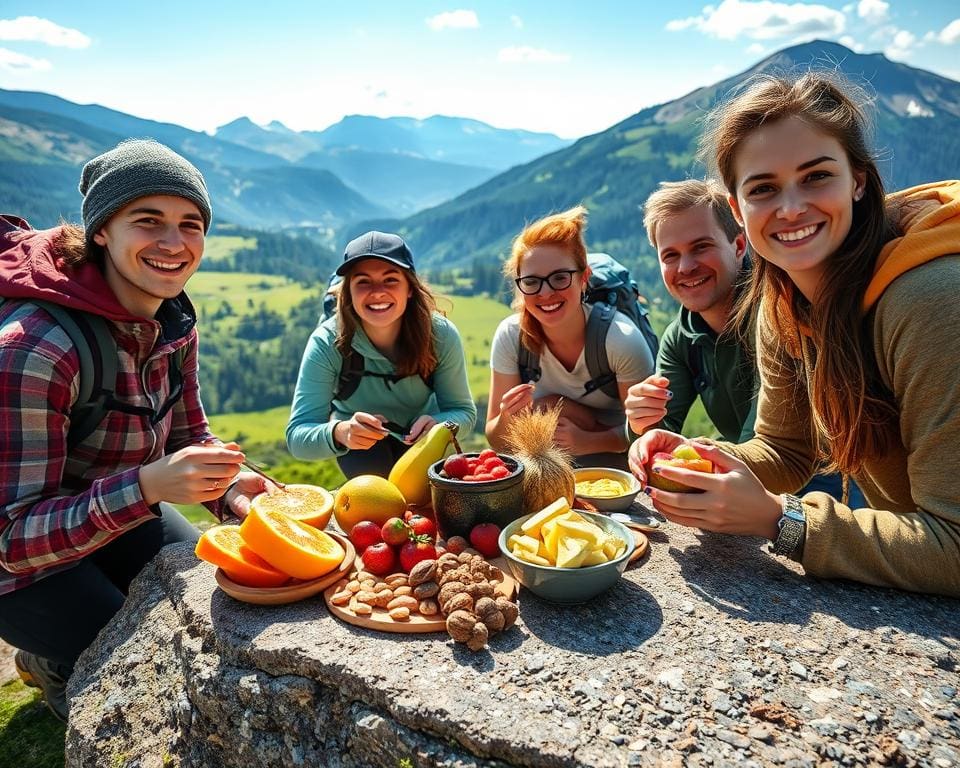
(558, 280)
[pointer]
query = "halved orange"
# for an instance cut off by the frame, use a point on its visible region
(289, 545)
(309, 504)
(224, 547)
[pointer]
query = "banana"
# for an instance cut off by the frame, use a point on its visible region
(409, 474)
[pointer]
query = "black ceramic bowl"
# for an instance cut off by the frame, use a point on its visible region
(461, 504)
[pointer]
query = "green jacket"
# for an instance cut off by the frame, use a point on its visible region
(717, 368)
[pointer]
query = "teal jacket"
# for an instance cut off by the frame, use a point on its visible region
(717, 369)
(314, 411)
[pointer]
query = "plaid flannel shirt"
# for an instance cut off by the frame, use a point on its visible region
(57, 508)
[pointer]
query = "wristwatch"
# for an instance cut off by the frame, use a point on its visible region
(793, 529)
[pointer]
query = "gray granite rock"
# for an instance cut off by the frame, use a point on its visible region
(694, 658)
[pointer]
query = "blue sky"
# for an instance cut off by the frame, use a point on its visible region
(571, 68)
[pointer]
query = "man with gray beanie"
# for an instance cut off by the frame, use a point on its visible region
(85, 502)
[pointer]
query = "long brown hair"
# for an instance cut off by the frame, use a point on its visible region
(71, 247)
(852, 410)
(416, 355)
(561, 229)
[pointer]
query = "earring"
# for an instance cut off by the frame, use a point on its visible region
(858, 193)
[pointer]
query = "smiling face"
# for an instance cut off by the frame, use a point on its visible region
(550, 306)
(795, 190)
(699, 265)
(379, 291)
(153, 246)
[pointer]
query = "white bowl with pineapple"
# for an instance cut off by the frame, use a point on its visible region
(565, 555)
(606, 489)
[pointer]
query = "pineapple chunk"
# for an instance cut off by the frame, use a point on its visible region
(611, 546)
(595, 557)
(583, 529)
(529, 543)
(522, 554)
(551, 532)
(533, 525)
(571, 552)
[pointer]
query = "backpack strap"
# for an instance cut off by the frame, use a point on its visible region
(595, 351)
(698, 373)
(353, 369)
(528, 363)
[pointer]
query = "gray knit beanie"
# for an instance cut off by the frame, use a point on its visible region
(137, 168)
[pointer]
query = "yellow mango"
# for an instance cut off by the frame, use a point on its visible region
(533, 525)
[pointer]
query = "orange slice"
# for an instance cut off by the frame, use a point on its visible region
(289, 545)
(224, 547)
(309, 504)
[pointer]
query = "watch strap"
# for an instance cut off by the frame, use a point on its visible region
(793, 529)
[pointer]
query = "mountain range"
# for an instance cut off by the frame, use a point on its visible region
(266, 178)
(613, 172)
(367, 173)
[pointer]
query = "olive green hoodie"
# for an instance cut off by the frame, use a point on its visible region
(909, 538)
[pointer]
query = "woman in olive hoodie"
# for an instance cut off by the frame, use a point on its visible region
(857, 295)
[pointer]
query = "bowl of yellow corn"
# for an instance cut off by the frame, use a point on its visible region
(607, 489)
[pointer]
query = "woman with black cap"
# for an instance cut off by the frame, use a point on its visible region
(382, 370)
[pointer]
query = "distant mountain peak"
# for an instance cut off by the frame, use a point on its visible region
(240, 122)
(277, 127)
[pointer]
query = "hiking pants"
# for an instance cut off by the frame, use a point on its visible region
(60, 615)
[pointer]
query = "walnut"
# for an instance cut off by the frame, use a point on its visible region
(459, 574)
(450, 589)
(459, 602)
(487, 611)
(425, 590)
(447, 561)
(465, 558)
(460, 625)
(509, 610)
(480, 589)
(423, 571)
(478, 637)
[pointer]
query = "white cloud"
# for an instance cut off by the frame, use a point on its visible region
(873, 11)
(918, 110)
(852, 44)
(763, 20)
(899, 47)
(36, 30)
(17, 62)
(524, 53)
(454, 20)
(950, 34)
(516, 21)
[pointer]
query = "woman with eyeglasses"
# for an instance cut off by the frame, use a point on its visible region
(548, 266)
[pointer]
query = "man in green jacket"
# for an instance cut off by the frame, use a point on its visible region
(702, 254)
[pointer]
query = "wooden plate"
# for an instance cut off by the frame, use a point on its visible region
(296, 590)
(640, 546)
(380, 620)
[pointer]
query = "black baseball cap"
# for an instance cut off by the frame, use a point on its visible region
(377, 245)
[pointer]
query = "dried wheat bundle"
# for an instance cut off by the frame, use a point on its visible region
(547, 471)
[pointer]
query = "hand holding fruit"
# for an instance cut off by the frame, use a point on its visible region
(419, 428)
(646, 403)
(730, 500)
(643, 448)
(360, 432)
(247, 486)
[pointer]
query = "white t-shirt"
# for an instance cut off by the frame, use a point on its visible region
(627, 352)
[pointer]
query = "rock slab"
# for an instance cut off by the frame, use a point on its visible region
(708, 652)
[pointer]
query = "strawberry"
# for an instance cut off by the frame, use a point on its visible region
(395, 531)
(422, 526)
(456, 544)
(379, 559)
(416, 549)
(498, 472)
(365, 534)
(456, 466)
(489, 464)
(482, 477)
(484, 538)
(487, 453)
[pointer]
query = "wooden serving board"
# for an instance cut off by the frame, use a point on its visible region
(380, 619)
